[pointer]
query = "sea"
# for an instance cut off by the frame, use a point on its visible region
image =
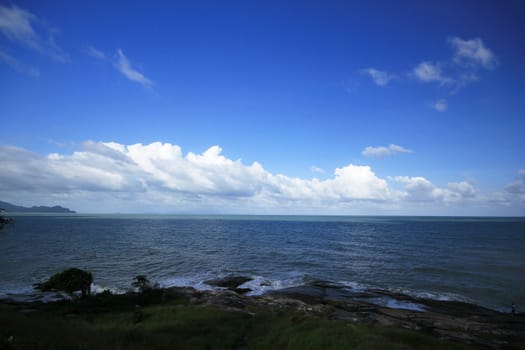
(479, 260)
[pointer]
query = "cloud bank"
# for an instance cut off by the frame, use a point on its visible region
(112, 177)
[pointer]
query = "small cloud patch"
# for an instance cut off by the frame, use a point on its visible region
(472, 53)
(316, 170)
(382, 151)
(379, 77)
(123, 65)
(440, 105)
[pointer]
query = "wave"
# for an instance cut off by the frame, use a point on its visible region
(260, 285)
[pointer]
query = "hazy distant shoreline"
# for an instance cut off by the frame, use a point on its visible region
(12, 208)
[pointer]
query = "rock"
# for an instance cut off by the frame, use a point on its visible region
(229, 282)
(242, 290)
(229, 299)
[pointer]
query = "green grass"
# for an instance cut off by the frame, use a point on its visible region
(169, 322)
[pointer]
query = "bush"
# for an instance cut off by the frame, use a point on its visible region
(69, 281)
(142, 283)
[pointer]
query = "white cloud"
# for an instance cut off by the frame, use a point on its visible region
(382, 151)
(18, 66)
(472, 52)
(420, 189)
(463, 188)
(112, 177)
(93, 52)
(461, 70)
(429, 72)
(123, 65)
(151, 172)
(463, 80)
(316, 169)
(24, 28)
(381, 78)
(517, 187)
(440, 105)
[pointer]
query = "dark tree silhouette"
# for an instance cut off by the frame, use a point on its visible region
(69, 281)
(142, 283)
(4, 221)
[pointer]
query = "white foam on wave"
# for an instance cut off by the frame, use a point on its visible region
(439, 296)
(97, 289)
(396, 304)
(196, 282)
(354, 286)
(260, 285)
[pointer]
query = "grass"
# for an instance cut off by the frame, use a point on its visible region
(166, 321)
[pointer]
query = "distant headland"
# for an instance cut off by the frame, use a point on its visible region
(8, 207)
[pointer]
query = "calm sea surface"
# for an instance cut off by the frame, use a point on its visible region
(480, 260)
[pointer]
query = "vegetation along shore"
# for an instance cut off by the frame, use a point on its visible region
(314, 316)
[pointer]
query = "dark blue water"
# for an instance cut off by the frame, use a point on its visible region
(481, 260)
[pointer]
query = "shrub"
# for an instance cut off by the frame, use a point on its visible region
(142, 283)
(69, 281)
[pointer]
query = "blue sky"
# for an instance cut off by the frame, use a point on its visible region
(317, 107)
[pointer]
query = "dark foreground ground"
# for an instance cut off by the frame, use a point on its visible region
(313, 317)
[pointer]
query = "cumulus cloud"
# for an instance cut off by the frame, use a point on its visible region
(163, 167)
(472, 52)
(25, 29)
(517, 186)
(382, 151)
(421, 189)
(440, 105)
(123, 65)
(379, 77)
(160, 172)
(109, 177)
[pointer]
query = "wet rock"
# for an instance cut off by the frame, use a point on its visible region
(242, 290)
(229, 299)
(229, 282)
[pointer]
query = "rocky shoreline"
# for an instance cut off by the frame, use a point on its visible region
(448, 320)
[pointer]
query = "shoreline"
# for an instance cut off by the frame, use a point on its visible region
(255, 285)
(454, 321)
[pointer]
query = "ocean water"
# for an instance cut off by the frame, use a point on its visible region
(479, 260)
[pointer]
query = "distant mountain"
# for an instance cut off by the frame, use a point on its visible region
(34, 209)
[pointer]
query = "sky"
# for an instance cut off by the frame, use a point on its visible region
(264, 107)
